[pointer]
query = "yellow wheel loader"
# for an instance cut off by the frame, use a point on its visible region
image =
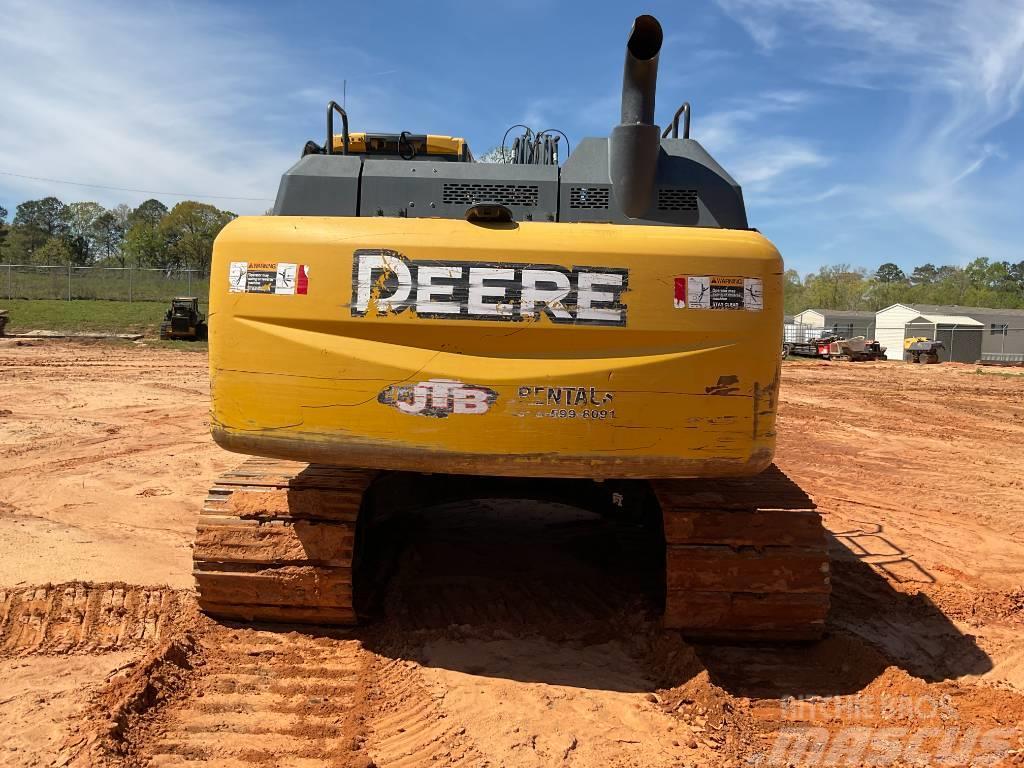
(412, 326)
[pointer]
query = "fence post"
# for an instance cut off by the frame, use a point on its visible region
(189, 273)
(10, 282)
(130, 270)
(69, 282)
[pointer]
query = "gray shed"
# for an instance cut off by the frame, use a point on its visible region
(1002, 335)
(960, 335)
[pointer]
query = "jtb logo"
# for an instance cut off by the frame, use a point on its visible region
(438, 397)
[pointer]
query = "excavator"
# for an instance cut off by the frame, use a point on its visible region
(412, 327)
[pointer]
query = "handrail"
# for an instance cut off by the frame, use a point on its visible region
(674, 125)
(333, 107)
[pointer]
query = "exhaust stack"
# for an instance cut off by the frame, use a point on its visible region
(634, 144)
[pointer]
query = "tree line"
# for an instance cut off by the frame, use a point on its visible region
(50, 232)
(83, 234)
(982, 283)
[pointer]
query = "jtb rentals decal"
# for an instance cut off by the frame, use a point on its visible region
(718, 292)
(268, 277)
(439, 398)
(564, 402)
(385, 282)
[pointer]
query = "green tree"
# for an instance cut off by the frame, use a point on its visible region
(496, 155)
(188, 232)
(36, 222)
(108, 235)
(48, 215)
(1015, 274)
(837, 287)
(81, 235)
(890, 273)
(792, 292)
(926, 274)
(55, 251)
(3, 229)
(952, 286)
(143, 244)
(150, 212)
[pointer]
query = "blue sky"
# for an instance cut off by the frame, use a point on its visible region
(862, 131)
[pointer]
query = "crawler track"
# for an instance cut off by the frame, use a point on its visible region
(275, 543)
(745, 559)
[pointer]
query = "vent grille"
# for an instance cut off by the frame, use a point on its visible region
(677, 200)
(588, 197)
(457, 193)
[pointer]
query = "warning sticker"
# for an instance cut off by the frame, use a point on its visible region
(718, 292)
(268, 277)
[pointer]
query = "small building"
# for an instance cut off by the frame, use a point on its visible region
(847, 323)
(999, 331)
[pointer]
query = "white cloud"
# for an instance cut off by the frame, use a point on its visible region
(775, 158)
(163, 98)
(962, 64)
(760, 159)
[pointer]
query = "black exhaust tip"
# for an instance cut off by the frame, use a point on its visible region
(645, 38)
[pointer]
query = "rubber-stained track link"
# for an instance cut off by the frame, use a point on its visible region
(275, 543)
(745, 559)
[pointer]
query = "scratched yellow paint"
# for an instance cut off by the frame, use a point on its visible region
(672, 392)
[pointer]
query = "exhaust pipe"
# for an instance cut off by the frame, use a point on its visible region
(635, 143)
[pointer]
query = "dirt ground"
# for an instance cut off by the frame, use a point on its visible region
(510, 635)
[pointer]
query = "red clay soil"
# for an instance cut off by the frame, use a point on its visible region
(509, 634)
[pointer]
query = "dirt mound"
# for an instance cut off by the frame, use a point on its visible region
(220, 696)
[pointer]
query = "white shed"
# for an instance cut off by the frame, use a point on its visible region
(812, 318)
(890, 328)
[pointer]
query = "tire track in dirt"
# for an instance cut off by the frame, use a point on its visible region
(83, 618)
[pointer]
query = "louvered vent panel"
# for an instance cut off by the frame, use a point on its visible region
(468, 193)
(677, 200)
(588, 197)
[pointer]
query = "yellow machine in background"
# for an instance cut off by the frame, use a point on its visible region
(921, 349)
(611, 318)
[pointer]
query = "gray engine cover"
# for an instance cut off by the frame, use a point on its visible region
(424, 189)
(691, 189)
(320, 185)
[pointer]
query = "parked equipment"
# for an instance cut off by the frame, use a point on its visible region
(920, 349)
(603, 333)
(836, 348)
(184, 320)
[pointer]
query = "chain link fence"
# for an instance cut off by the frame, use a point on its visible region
(26, 281)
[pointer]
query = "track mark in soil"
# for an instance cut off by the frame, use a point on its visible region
(259, 697)
(411, 728)
(83, 618)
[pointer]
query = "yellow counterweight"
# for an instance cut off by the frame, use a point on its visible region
(535, 349)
